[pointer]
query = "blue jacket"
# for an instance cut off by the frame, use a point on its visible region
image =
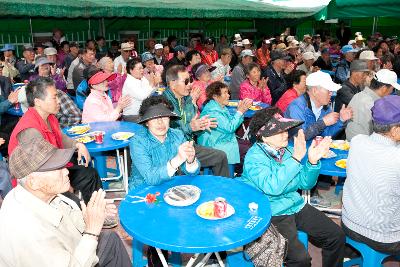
(187, 110)
(279, 181)
(150, 157)
(342, 71)
(300, 109)
(223, 137)
(5, 104)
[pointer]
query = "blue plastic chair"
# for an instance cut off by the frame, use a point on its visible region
(369, 257)
(208, 171)
(237, 259)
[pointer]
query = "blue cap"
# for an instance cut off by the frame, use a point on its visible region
(146, 56)
(8, 47)
(180, 48)
(348, 49)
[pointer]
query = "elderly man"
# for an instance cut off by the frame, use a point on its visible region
(307, 44)
(120, 61)
(40, 227)
(263, 52)
(40, 122)
(371, 192)
(369, 57)
(343, 68)
(208, 55)
(179, 84)
(324, 60)
(355, 84)
(10, 60)
(238, 73)
(73, 53)
(178, 59)
(381, 85)
(308, 61)
(88, 58)
(275, 73)
(159, 58)
(26, 66)
(313, 107)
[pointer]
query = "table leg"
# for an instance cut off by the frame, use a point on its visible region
(192, 260)
(125, 173)
(246, 132)
(162, 258)
(204, 260)
(221, 263)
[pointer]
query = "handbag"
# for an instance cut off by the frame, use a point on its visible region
(269, 250)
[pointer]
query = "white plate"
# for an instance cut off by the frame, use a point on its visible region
(182, 195)
(329, 155)
(73, 129)
(122, 136)
(229, 211)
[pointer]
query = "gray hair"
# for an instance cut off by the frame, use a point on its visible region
(172, 73)
(383, 128)
(102, 62)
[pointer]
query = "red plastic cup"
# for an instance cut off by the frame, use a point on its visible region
(99, 137)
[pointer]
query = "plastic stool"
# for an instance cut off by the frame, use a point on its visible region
(369, 257)
(237, 260)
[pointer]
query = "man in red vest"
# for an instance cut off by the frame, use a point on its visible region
(40, 122)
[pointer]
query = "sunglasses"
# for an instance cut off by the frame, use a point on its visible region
(187, 80)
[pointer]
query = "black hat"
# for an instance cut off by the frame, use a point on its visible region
(209, 41)
(279, 54)
(158, 111)
(277, 124)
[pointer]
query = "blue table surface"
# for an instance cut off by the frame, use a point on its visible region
(328, 166)
(109, 128)
(249, 113)
(180, 229)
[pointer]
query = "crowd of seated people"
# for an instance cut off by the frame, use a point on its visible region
(317, 86)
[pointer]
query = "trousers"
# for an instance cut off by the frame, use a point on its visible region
(111, 251)
(214, 159)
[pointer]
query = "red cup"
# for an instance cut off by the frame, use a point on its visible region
(99, 137)
(220, 207)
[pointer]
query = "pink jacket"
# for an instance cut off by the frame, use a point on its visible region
(203, 96)
(247, 90)
(98, 107)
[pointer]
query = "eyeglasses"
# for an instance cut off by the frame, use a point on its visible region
(187, 80)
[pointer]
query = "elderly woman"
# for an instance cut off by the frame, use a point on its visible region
(202, 74)
(158, 151)
(151, 72)
(98, 105)
(137, 87)
(254, 87)
(45, 68)
(106, 64)
(223, 137)
(279, 171)
(193, 57)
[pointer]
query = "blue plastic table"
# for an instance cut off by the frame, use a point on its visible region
(97, 150)
(249, 113)
(180, 229)
(328, 166)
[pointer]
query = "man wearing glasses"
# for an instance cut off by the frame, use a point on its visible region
(178, 93)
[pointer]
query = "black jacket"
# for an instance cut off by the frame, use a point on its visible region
(276, 83)
(345, 94)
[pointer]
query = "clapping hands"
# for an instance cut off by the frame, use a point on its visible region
(203, 123)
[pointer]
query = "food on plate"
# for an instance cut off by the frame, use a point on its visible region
(122, 135)
(233, 104)
(341, 163)
(207, 209)
(255, 108)
(80, 129)
(85, 139)
(329, 154)
(340, 144)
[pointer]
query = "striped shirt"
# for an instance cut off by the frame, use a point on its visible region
(371, 193)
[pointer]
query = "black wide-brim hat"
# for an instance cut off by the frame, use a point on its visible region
(278, 124)
(158, 111)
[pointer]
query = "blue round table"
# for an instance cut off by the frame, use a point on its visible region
(249, 113)
(180, 229)
(328, 166)
(97, 150)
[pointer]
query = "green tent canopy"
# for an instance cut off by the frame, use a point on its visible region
(254, 9)
(360, 8)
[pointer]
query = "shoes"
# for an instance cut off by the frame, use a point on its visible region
(110, 222)
(318, 201)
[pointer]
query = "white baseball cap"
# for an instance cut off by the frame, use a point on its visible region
(367, 55)
(308, 56)
(322, 79)
(158, 46)
(49, 51)
(246, 42)
(388, 77)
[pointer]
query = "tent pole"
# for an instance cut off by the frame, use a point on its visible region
(89, 34)
(188, 31)
(373, 26)
(31, 28)
(149, 29)
(226, 27)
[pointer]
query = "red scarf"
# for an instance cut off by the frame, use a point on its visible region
(32, 119)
